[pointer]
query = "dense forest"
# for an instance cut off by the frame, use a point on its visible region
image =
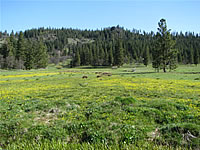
(112, 46)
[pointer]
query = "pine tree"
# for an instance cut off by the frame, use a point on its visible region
(94, 56)
(164, 55)
(110, 55)
(101, 55)
(196, 56)
(156, 58)
(1, 61)
(4, 50)
(119, 58)
(180, 58)
(82, 55)
(190, 56)
(41, 56)
(97, 56)
(146, 56)
(106, 59)
(77, 60)
(12, 45)
(90, 56)
(30, 62)
(21, 49)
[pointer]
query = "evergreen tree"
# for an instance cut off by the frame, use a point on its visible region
(11, 44)
(82, 55)
(90, 56)
(180, 58)
(9, 62)
(95, 58)
(146, 56)
(41, 56)
(4, 50)
(29, 62)
(190, 56)
(77, 60)
(21, 49)
(164, 48)
(106, 59)
(119, 58)
(196, 56)
(110, 55)
(101, 55)
(1, 61)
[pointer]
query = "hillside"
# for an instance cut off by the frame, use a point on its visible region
(99, 47)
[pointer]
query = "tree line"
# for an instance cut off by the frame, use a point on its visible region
(112, 46)
(18, 52)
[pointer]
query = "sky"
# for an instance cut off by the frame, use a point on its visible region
(19, 15)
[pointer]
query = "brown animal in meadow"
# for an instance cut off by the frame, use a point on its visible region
(84, 77)
(98, 76)
(98, 72)
(107, 74)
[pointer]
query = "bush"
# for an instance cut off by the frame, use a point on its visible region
(185, 134)
(125, 101)
(59, 67)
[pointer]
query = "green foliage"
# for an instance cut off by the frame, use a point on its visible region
(29, 62)
(110, 55)
(146, 56)
(196, 57)
(125, 101)
(22, 53)
(77, 60)
(59, 67)
(21, 49)
(164, 56)
(41, 56)
(97, 48)
(182, 134)
(119, 57)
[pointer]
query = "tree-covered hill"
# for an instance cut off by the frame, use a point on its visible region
(112, 46)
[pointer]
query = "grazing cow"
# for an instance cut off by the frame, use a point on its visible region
(98, 76)
(107, 74)
(98, 72)
(85, 77)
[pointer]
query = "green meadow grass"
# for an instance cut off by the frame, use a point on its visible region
(58, 109)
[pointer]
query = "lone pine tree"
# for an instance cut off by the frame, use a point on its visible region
(164, 56)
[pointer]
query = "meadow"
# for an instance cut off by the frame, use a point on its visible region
(58, 109)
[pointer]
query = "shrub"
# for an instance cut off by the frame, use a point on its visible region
(126, 101)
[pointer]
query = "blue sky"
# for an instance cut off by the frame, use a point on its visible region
(181, 15)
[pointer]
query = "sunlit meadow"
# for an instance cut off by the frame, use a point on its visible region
(139, 109)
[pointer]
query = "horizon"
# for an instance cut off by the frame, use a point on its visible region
(181, 16)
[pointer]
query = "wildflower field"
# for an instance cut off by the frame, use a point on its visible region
(58, 109)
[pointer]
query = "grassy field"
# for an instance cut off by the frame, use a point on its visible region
(58, 109)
